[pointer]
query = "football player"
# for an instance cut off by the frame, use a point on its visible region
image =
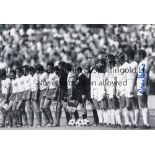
(12, 100)
(131, 99)
(5, 87)
(110, 83)
(81, 91)
(102, 104)
(53, 83)
(27, 94)
(20, 106)
(120, 86)
(93, 85)
(71, 89)
(35, 94)
(87, 73)
(62, 93)
(43, 77)
(142, 86)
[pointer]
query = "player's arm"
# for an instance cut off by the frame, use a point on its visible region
(148, 80)
(8, 92)
(57, 88)
(37, 89)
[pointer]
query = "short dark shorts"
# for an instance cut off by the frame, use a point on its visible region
(62, 94)
(132, 103)
(88, 96)
(50, 94)
(71, 94)
(79, 95)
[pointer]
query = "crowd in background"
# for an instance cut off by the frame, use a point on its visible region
(40, 43)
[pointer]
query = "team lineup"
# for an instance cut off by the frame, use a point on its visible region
(117, 88)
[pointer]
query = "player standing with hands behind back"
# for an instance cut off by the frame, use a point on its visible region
(142, 86)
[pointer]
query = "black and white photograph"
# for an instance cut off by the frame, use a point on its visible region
(77, 76)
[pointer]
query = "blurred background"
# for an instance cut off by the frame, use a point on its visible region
(40, 43)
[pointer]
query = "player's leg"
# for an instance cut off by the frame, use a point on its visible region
(118, 113)
(93, 101)
(63, 102)
(44, 117)
(19, 113)
(37, 112)
(142, 99)
(29, 111)
(15, 113)
(10, 113)
(126, 113)
(130, 109)
(46, 109)
(95, 116)
(134, 101)
(3, 116)
(58, 112)
(113, 111)
(24, 115)
(104, 107)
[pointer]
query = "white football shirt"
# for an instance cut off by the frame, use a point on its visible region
(20, 83)
(43, 80)
(53, 80)
(5, 85)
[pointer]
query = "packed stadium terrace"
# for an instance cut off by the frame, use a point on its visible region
(40, 43)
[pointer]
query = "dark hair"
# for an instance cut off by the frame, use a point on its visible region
(120, 55)
(62, 64)
(39, 67)
(26, 67)
(142, 52)
(102, 61)
(3, 72)
(68, 67)
(79, 69)
(19, 68)
(130, 53)
(31, 69)
(13, 71)
(50, 63)
(111, 57)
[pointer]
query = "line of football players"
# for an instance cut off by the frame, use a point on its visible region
(116, 87)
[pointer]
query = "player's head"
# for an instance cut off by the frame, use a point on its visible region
(50, 67)
(26, 70)
(12, 74)
(94, 62)
(79, 70)
(129, 55)
(141, 54)
(19, 71)
(110, 60)
(69, 67)
(39, 69)
(57, 70)
(62, 65)
(119, 58)
(101, 65)
(3, 74)
(32, 70)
